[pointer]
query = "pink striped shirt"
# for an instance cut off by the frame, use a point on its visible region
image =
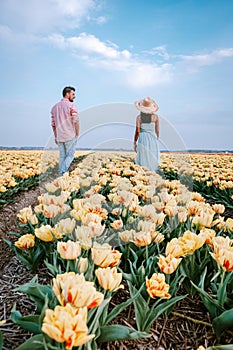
(64, 117)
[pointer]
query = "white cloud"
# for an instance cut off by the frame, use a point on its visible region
(159, 51)
(100, 19)
(42, 16)
(92, 45)
(136, 72)
(194, 62)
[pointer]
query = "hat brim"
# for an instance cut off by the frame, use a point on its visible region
(153, 108)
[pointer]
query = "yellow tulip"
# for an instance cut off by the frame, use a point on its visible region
(69, 250)
(25, 241)
(170, 210)
(33, 219)
(168, 264)
(191, 242)
(224, 258)
(142, 239)
(127, 235)
(210, 234)
(52, 210)
(25, 214)
(84, 236)
(104, 256)
(159, 219)
(218, 208)
(157, 287)
(109, 278)
(3, 189)
(67, 325)
(117, 224)
(83, 265)
(50, 187)
(182, 215)
(65, 226)
(174, 248)
(78, 204)
(157, 237)
(229, 224)
(44, 233)
(203, 219)
(74, 289)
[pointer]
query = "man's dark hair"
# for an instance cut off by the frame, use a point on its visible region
(67, 89)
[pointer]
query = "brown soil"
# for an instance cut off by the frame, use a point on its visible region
(186, 328)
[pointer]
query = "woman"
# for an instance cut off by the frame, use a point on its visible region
(147, 134)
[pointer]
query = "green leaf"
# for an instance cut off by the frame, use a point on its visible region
(114, 332)
(35, 343)
(36, 292)
(1, 340)
(222, 294)
(222, 322)
(30, 322)
(117, 309)
(140, 306)
(16, 234)
(94, 324)
(157, 310)
(35, 289)
(210, 303)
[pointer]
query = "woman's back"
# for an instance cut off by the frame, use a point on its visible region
(147, 131)
(148, 127)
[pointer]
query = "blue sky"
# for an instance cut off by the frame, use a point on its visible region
(179, 52)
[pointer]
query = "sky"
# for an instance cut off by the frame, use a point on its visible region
(114, 52)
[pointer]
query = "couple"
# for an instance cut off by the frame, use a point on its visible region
(65, 124)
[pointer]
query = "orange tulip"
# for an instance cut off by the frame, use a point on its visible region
(25, 241)
(157, 287)
(67, 324)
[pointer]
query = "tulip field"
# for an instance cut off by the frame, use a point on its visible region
(122, 249)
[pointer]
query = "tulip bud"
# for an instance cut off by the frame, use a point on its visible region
(83, 265)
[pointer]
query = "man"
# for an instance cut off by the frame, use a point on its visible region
(65, 124)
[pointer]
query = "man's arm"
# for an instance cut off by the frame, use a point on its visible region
(54, 128)
(76, 125)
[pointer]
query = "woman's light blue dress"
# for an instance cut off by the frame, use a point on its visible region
(148, 154)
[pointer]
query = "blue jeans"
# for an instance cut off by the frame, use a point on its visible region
(66, 150)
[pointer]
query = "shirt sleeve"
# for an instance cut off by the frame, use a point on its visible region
(52, 119)
(74, 113)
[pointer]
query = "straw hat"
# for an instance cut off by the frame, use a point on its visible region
(147, 105)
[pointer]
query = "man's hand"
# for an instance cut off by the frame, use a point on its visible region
(135, 147)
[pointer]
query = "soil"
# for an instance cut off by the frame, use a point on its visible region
(186, 328)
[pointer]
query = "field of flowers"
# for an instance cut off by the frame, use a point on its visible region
(208, 174)
(111, 224)
(21, 170)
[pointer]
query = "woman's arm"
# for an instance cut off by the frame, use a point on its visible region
(137, 132)
(157, 126)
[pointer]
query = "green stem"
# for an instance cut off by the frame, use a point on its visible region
(147, 253)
